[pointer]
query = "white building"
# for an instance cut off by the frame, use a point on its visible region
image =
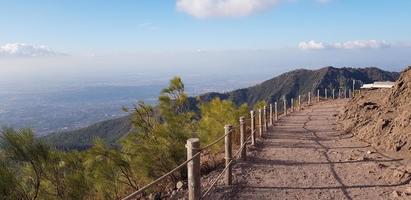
(386, 84)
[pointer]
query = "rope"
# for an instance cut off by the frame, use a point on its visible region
(219, 139)
(225, 169)
(134, 194)
(216, 141)
(242, 147)
(216, 180)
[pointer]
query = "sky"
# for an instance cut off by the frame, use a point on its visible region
(49, 39)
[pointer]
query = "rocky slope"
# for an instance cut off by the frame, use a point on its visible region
(382, 117)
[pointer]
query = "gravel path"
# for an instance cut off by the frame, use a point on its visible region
(304, 156)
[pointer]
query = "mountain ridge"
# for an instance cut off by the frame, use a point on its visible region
(291, 84)
(298, 82)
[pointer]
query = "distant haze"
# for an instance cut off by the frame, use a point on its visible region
(201, 62)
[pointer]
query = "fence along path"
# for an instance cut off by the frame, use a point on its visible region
(266, 117)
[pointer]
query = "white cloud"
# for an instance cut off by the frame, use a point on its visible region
(228, 8)
(356, 44)
(363, 44)
(223, 8)
(26, 50)
(311, 45)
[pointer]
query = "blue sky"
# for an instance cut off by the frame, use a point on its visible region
(130, 25)
(72, 34)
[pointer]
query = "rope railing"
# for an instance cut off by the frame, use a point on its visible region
(141, 190)
(224, 170)
(258, 122)
(215, 141)
(216, 180)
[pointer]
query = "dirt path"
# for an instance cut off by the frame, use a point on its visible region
(304, 156)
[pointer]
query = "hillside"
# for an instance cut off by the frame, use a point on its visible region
(110, 131)
(303, 81)
(382, 117)
(290, 84)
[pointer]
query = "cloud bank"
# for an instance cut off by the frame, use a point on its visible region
(223, 8)
(26, 50)
(356, 44)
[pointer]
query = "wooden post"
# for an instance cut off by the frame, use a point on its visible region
(333, 93)
(309, 98)
(271, 114)
(299, 102)
(285, 106)
(292, 104)
(260, 122)
(353, 88)
(252, 126)
(339, 93)
(349, 93)
(193, 169)
(345, 93)
(325, 94)
(243, 153)
(276, 111)
(228, 154)
(318, 95)
(265, 118)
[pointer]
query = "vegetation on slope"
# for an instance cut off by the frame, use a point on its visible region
(110, 131)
